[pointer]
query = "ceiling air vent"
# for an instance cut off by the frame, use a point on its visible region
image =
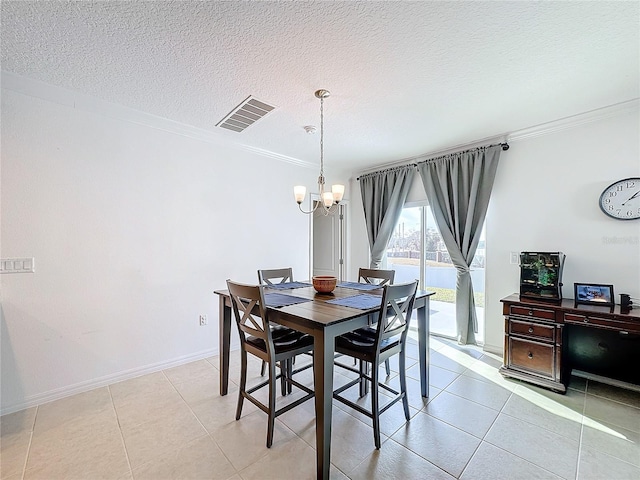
(245, 114)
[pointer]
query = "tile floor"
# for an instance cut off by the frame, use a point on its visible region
(475, 425)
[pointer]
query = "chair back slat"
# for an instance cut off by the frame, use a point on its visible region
(396, 309)
(375, 276)
(280, 275)
(249, 310)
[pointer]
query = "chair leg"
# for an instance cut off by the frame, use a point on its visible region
(263, 368)
(283, 376)
(272, 404)
(290, 362)
(375, 406)
(363, 381)
(243, 382)
(403, 385)
(387, 368)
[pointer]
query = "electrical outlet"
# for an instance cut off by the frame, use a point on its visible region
(203, 320)
(515, 258)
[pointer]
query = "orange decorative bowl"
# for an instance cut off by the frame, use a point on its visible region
(324, 283)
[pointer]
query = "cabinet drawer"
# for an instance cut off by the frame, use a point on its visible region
(533, 312)
(602, 322)
(532, 330)
(532, 356)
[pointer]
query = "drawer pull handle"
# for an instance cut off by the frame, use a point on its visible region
(530, 355)
(586, 320)
(530, 329)
(530, 312)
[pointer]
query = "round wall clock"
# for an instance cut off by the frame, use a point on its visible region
(621, 200)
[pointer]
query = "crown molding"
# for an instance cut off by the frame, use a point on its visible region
(72, 99)
(574, 120)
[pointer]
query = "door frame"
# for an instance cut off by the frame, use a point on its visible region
(342, 235)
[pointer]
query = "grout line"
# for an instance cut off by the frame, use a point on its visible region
(619, 402)
(584, 408)
(208, 434)
(541, 428)
(471, 457)
(185, 402)
(507, 451)
(478, 403)
(524, 459)
(482, 440)
(26, 457)
(124, 445)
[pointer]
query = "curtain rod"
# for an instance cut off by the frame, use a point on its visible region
(504, 145)
(397, 167)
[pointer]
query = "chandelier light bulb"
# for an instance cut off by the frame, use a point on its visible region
(299, 192)
(338, 192)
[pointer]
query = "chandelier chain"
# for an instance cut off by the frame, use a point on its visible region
(322, 137)
(328, 201)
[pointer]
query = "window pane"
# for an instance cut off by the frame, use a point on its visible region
(405, 247)
(416, 251)
(440, 277)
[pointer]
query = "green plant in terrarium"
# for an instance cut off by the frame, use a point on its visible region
(538, 264)
(546, 276)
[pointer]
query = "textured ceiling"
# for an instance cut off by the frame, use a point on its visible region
(406, 78)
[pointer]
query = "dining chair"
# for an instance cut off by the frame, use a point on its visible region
(390, 339)
(378, 277)
(251, 316)
(283, 275)
(375, 276)
(268, 277)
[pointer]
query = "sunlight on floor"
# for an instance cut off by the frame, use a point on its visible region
(543, 401)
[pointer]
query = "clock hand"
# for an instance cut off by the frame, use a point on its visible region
(631, 198)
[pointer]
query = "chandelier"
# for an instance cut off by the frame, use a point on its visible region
(328, 200)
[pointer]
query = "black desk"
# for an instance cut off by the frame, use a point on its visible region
(545, 342)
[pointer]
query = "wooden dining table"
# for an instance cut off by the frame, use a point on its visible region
(324, 321)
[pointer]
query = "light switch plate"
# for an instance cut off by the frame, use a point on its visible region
(515, 258)
(17, 265)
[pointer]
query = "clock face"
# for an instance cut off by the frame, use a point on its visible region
(621, 200)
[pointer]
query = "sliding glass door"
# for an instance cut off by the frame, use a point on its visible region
(416, 251)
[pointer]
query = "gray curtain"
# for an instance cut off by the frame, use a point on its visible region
(383, 196)
(458, 187)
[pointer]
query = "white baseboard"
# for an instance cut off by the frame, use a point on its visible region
(496, 350)
(85, 386)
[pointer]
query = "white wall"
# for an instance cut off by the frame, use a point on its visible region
(545, 198)
(132, 228)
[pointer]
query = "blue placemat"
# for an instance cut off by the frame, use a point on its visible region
(288, 285)
(363, 301)
(281, 300)
(359, 286)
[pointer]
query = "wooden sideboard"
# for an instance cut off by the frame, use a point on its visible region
(545, 341)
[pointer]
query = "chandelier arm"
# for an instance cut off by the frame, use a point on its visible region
(310, 211)
(326, 211)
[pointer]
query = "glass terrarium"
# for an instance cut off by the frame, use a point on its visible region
(541, 275)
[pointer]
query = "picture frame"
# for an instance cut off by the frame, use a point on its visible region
(593, 294)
